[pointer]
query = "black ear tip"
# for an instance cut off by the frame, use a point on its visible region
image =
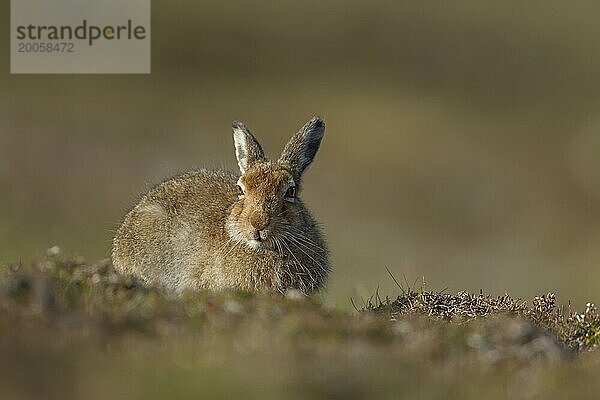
(238, 125)
(317, 122)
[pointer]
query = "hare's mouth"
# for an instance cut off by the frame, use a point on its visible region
(253, 243)
(258, 245)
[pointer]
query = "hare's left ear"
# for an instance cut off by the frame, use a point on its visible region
(300, 151)
(247, 148)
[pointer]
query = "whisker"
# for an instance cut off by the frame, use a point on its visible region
(232, 248)
(288, 228)
(300, 247)
(303, 240)
(311, 278)
(306, 238)
(224, 245)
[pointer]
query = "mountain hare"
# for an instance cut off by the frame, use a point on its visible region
(219, 230)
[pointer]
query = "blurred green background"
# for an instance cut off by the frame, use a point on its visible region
(462, 142)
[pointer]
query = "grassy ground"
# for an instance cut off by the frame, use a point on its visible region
(69, 329)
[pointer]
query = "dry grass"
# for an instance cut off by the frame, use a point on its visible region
(576, 331)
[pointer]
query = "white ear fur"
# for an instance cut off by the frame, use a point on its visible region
(247, 148)
(241, 152)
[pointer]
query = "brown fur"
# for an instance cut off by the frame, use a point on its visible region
(198, 231)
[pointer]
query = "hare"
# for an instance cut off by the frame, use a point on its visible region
(215, 230)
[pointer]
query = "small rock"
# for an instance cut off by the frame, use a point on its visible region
(294, 294)
(402, 328)
(53, 251)
(96, 279)
(233, 307)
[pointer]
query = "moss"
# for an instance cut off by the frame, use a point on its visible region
(96, 326)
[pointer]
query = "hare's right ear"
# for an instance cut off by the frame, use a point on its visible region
(300, 152)
(247, 148)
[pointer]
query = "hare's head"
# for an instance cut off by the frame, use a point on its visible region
(268, 205)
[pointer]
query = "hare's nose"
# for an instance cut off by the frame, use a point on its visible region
(259, 220)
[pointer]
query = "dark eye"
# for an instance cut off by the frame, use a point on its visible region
(291, 192)
(240, 190)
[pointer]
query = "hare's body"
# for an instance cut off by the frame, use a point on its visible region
(198, 231)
